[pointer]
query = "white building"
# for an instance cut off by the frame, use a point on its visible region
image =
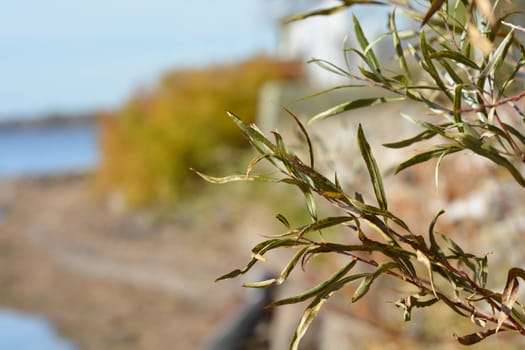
(324, 37)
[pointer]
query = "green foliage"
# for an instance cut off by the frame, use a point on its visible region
(471, 62)
(149, 145)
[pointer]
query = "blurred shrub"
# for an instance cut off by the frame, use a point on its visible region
(149, 145)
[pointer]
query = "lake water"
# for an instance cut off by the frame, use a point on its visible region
(47, 150)
(29, 151)
(22, 331)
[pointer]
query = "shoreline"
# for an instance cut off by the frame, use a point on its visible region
(49, 121)
(134, 282)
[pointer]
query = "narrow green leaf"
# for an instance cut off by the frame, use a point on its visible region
(498, 56)
(313, 308)
(458, 93)
(255, 161)
(513, 76)
(292, 263)
(363, 42)
(412, 301)
(475, 144)
(308, 316)
(425, 135)
(332, 10)
(373, 76)
(451, 73)
(230, 275)
(258, 140)
(255, 137)
(455, 56)
(334, 88)
(305, 134)
(329, 66)
(397, 45)
(283, 220)
(260, 284)
(429, 66)
(434, 152)
(434, 246)
(484, 271)
(284, 274)
(453, 246)
(376, 41)
(320, 12)
(318, 289)
(438, 129)
(347, 106)
(373, 170)
(515, 132)
(258, 251)
(434, 7)
(234, 178)
(366, 209)
(364, 287)
(310, 202)
(324, 223)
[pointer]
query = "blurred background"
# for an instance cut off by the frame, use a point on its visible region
(109, 241)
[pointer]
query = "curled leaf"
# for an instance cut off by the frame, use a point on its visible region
(306, 319)
(474, 338)
(508, 298)
(421, 257)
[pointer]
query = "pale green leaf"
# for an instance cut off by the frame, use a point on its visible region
(235, 178)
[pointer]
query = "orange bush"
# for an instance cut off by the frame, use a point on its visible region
(149, 144)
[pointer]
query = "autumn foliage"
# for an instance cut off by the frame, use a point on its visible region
(149, 145)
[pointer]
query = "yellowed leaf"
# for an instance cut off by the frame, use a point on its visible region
(508, 298)
(421, 257)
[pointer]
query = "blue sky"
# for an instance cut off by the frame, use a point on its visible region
(64, 55)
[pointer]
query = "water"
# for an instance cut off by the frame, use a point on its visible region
(29, 151)
(29, 332)
(47, 150)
